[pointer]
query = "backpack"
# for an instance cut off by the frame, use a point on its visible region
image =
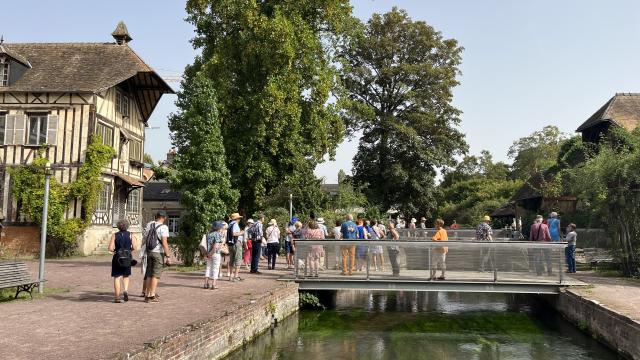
(124, 257)
(151, 239)
(231, 240)
(254, 234)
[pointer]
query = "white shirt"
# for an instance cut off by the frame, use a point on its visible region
(337, 233)
(162, 230)
(273, 235)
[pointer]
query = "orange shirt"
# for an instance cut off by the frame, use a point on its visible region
(441, 235)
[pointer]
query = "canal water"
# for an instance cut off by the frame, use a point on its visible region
(426, 325)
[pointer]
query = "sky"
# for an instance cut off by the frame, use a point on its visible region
(526, 64)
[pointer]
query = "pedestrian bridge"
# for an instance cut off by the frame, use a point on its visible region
(500, 266)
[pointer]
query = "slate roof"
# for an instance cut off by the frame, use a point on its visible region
(623, 109)
(88, 68)
(17, 57)
(159, 191)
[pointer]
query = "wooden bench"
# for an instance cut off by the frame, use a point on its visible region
(15, 274)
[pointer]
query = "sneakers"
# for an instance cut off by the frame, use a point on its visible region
(153, 299)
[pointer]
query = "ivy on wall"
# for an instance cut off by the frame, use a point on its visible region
(28, 190)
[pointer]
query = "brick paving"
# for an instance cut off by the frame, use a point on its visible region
(617, 294)
(84, 323)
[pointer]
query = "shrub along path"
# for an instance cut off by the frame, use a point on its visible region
(84, 323)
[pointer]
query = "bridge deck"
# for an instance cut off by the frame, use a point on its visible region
(512, 266)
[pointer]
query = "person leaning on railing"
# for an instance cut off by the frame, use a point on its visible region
(394, 250)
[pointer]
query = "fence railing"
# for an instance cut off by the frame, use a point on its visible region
(412, 259)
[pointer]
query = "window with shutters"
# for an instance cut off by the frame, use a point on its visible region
(106, 133)
(122, 103)
(135, 150)
(133, 201)
(42, 129)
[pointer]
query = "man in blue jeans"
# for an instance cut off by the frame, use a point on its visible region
(570, 250)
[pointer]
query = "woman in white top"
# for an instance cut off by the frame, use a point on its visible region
(273, 243)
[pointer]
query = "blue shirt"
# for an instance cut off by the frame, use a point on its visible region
(349, 230)
(361, 232)
(554, 229)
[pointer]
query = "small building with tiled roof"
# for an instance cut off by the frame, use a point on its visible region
(54, 97)
(623, 110)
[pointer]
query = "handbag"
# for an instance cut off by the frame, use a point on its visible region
(224, 249)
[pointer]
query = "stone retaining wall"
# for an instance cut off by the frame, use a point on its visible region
(216, 337)
(616, 330)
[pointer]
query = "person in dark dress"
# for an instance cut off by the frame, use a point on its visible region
(121, 240)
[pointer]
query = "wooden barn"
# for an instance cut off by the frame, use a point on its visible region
(55, 96)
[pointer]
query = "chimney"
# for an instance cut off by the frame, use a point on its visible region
(121, 34)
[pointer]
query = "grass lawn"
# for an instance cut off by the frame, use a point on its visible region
(7, 295)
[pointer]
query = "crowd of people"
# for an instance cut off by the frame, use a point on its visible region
(238, 245)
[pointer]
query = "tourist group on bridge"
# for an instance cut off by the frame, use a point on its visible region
(235, 245)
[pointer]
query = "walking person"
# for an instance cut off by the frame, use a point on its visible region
(349, 231)
(554, 227)
(247, 245)
(393, 251)
(540, 232)
(376, 251)
(570, 250)
(288, 242)
(157, 247)
(121, 244)
(361, 250)
(256, 235)
(234, 241)
(273, 244)
(484, 233)
(439, 253)
(317, 251)
(214, 241)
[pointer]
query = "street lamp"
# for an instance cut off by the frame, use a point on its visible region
(43, 231)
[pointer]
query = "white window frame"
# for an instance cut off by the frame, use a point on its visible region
(105, 127)
(122, 103)
(50, 121)
(106, 194)
(133, 201)
(173, 223)
(133, 143)
(5, 68)
(3, 127)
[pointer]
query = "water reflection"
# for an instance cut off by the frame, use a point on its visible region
(426, 325)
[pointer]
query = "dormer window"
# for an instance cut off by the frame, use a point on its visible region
(122, 103)
(4, 71)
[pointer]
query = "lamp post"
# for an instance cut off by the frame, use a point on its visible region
(43, 231)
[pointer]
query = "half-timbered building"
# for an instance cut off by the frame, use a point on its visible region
(55, 96)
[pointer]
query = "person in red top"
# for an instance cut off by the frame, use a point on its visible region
(454, 226)
(540, 232)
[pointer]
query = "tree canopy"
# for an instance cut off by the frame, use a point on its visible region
(536, 152)
(198, 170)
(273, 74)
(398, 75)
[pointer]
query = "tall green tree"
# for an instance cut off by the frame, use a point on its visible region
(273, 74)
(198, 171)
(399, 75)
(536, 152)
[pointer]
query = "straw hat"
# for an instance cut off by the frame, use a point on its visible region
(486, 218)
(320, 220)
(235, 216)
(273, 222)
(250, 221)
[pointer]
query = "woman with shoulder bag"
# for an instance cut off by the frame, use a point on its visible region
(122, 244)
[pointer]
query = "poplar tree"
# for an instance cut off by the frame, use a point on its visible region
(274, 76)
(399, 75)
(198, 170)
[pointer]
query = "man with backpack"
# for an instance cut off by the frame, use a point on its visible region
(234, 242)
(156, 235)
(256, 235)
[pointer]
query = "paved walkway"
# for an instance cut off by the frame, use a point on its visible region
(84, 323)
(617, 294)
